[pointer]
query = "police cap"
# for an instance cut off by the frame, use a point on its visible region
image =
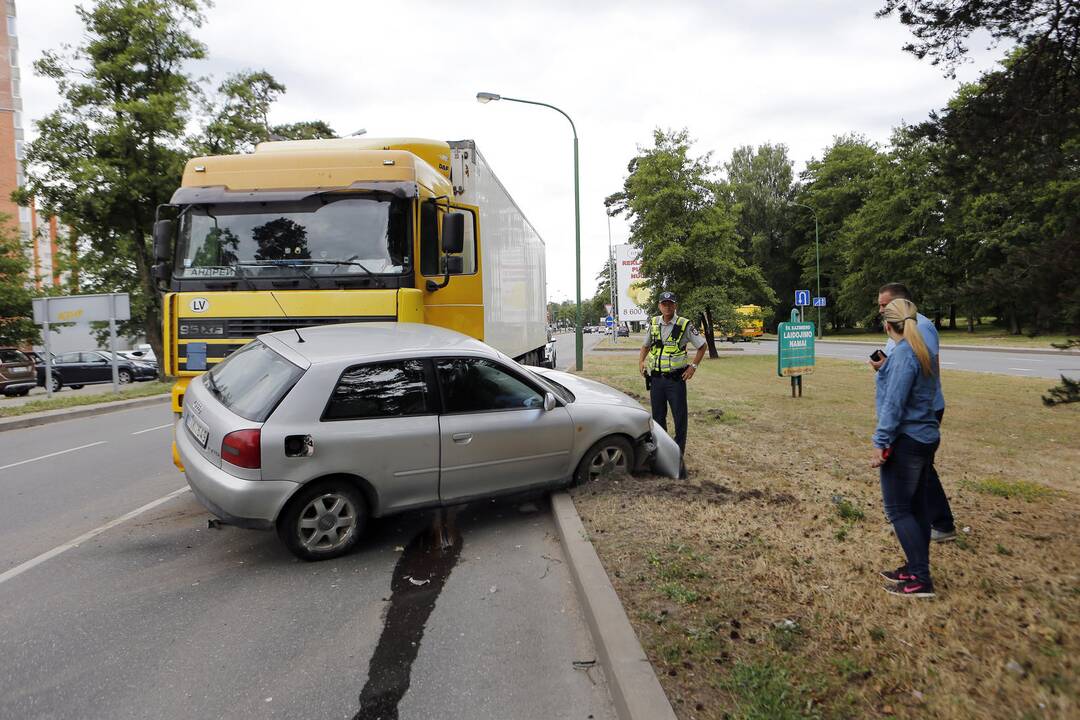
(667, 297)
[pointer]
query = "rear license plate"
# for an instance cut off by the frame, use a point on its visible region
(198, 429)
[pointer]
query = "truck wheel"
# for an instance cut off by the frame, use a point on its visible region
(323, 521)
(613, 455)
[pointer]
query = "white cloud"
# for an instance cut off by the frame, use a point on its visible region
(732, 73)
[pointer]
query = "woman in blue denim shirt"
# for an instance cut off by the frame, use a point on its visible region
(905, 441)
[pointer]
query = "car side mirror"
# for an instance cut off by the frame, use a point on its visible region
(453, 233)
(549, 402)
(163, 235)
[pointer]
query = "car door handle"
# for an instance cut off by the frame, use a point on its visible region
(462, 438)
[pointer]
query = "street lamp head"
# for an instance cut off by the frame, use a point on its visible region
(486, 97)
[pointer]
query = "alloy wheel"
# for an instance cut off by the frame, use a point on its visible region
(609, 460)
(327, 523)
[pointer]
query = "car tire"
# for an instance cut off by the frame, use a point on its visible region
(77, 387)
(123, 377)
(311, 526)
(610, 456)
(57, 384)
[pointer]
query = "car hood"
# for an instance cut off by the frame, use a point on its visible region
(589, 391)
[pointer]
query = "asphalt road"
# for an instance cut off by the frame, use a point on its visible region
(987, 361)
(160, 616)
(564, 347)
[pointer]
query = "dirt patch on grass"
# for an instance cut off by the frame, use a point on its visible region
(753, 586)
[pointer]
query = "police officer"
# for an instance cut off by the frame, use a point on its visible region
(663, 361)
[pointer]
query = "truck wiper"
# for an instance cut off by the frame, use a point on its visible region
(339, 262)
(298, 264)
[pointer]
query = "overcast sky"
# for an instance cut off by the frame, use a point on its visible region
(732, 73)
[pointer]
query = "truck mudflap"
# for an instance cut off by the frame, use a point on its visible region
(666, 458)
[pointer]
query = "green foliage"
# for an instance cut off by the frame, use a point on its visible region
(16, 323)
(847, 510)
(115, 147)
(1000, 487)
(765, 691)
(686, 234)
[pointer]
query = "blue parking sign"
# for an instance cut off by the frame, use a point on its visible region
(819, 302)
(802, 297)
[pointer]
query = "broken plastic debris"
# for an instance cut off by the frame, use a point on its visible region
(414, 581)
(584, 664)
(493, 589)
(967, 528)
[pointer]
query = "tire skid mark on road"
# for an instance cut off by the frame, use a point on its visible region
(59, 452)
(419, 577)
(48, 555)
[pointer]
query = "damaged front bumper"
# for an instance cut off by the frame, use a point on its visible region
(657, 453)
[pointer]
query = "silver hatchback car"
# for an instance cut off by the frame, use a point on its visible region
(313, 432)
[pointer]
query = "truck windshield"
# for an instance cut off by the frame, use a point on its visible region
(322, 235)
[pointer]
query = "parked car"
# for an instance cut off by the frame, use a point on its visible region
(16, 372)
(144, 369)
(624, 331)
(76, 369)
(137, 356)
(314, 433)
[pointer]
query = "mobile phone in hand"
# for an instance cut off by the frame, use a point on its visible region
(877, 356)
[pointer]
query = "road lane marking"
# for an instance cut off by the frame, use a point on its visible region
(947, 363)
(159, 427)
(61, 452)
(34, 562)
(1023, 369)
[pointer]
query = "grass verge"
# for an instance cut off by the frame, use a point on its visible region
(135, 390)
(753, 586)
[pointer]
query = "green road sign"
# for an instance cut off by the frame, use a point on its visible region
(795, 348)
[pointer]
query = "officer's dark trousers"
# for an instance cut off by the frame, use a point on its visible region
(669, 391)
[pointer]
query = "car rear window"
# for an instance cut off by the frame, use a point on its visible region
(252, 381)
(12, 356)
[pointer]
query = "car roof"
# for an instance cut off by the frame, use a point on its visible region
(362, 341)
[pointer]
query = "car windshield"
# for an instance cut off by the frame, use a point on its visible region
(252, 381)
(320, 235)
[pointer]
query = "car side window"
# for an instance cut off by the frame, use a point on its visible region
(476, 385)
(380, 390)
(68, 358)
(96, 358)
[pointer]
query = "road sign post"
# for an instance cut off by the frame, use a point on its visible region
(795, 350)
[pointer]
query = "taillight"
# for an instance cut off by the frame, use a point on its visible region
(241, 448)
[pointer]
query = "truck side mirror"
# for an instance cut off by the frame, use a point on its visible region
(163, 235)
(453, 234)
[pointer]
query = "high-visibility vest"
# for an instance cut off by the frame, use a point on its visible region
(667, 355)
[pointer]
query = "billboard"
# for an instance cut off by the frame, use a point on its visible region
(633, 290)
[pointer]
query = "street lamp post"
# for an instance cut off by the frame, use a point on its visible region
(486, 97)
(817, 262)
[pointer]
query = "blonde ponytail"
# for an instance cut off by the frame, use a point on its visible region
(901, 315)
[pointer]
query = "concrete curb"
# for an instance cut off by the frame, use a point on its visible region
(634, 688)
(80, 411)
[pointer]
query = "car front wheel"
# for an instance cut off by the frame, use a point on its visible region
(123, 377)
(323, 521)
(612, 456)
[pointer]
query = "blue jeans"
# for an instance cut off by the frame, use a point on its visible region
(665, 391)
(941, 517)
(905, 480)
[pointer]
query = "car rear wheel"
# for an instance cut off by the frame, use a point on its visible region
(323, 521)
(612, 456)
(56, 384)
(77, 387)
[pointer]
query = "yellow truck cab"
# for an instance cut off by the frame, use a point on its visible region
(315, 232)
